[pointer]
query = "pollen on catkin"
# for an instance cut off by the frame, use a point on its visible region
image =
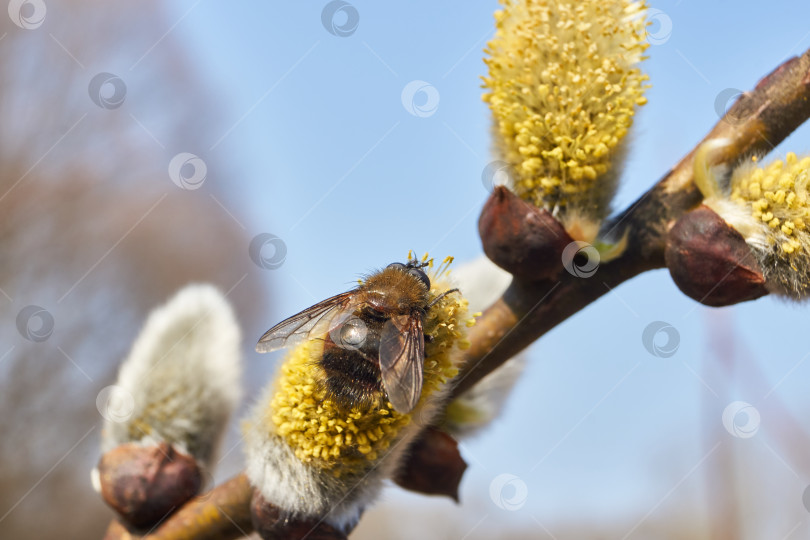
(770, 207)
(563, 86)
(345, 443)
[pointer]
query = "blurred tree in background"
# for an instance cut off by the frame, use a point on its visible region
(95, 232)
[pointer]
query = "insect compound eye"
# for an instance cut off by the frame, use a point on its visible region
(421, 275)
(351, 334)
(398, 266)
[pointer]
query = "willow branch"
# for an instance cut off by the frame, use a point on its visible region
(755, 124)
(221, 514)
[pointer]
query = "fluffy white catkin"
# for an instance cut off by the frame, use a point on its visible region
(181, 380)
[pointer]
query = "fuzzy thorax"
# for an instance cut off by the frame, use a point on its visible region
(563, 87)
(309, 456)
(770, 207)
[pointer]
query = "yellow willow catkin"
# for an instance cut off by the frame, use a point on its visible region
(563, 87)
(347, 443)
(770, 207)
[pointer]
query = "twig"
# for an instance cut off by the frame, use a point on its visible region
(221, 514)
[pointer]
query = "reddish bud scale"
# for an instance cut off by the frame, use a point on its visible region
(145, 483)
(271, 525)
(710, 261)
(521, 238)
(434, 465)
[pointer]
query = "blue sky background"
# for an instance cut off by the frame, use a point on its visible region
(325, 156)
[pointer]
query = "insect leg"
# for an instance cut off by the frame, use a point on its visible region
(436, 300)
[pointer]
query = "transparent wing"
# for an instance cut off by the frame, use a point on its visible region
(314, 321)
(402, 353)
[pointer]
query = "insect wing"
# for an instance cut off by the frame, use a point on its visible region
(314, 321)
(402, 353)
